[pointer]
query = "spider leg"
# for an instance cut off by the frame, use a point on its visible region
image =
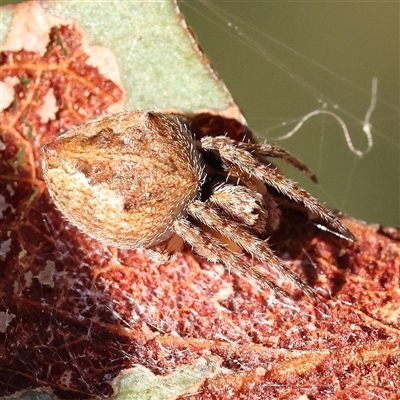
(259, 149)
(210, 248)
(241, 163)
(245, 206)
(161, 253)
(257, 248)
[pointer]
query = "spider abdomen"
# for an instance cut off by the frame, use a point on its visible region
(124, 179)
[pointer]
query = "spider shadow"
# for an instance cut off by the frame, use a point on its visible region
(300, 240)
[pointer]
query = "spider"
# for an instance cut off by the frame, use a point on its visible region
(140, 179)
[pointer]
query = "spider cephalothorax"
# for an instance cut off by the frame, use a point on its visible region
(139, 179)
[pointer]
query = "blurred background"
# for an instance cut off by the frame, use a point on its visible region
(284, 60)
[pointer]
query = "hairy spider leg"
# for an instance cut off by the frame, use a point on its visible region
(247, 206)
(259, 149)
(257, 248)
(213, 250)
(241, 204)
(244, 165)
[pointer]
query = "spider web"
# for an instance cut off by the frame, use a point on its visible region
(328, 71)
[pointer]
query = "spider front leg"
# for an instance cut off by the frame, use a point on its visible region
(257, 248)
(258, 149)
(240, 163)
(246, 206)
(162, 252)
(213, 250)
